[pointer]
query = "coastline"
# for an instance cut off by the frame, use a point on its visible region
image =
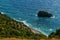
(28, 26)
(36, 31)
(12, 28)
(33, 30)
(20, 29)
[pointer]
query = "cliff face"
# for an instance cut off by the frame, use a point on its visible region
(11, 28)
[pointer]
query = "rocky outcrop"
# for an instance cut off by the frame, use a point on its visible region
(44, 14)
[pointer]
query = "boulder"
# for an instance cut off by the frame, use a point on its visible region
(44, 14)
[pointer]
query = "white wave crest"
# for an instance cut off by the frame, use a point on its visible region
(52, 17)
(2, 12)
(25, 23)
(16, 20)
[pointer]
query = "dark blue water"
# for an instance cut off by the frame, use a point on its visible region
(26, 11)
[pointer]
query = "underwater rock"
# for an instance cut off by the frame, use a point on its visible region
(44, 14)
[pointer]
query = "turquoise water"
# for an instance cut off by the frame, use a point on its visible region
(26, 11)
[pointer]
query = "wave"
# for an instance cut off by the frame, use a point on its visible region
(2, 12)
(16, 20)
(52, 17)
(27, 24)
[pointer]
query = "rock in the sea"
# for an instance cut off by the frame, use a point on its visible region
(44, 14)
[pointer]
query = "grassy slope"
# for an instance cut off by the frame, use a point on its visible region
(12, 28)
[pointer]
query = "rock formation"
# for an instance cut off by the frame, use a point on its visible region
(44, 14)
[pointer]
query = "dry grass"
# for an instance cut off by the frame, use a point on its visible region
(26, 39)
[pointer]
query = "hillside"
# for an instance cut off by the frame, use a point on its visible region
(55, 34)
(11, 28)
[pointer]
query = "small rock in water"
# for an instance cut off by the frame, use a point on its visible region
(44, 14)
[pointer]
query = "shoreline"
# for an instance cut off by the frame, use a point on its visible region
(32, 29)
(36, 31)
(24, 22)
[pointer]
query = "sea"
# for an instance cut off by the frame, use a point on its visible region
(26, 11)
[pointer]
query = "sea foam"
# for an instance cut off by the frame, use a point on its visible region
(25, 23)
(2, 12)
(52, 17)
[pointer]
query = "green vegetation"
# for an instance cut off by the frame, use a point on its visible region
(11, 28)
(55, 34)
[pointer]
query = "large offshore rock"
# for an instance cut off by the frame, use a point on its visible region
(44, 14)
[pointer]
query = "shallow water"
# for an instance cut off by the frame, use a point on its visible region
(26, 11)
